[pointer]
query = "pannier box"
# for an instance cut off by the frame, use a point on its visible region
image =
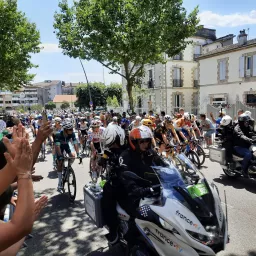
(93, 204)
(217, 154)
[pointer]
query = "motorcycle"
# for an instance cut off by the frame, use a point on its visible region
(185, 217)
(232, 169)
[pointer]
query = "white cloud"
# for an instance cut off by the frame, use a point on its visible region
(50, 48)
(211, 19)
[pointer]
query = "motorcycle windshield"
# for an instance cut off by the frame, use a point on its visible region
(190, 167)
(170, 177)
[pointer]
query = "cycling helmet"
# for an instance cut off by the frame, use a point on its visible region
(111, 135)
(138, 134)
(50, 117)
(168, 119)
(193, 117)
(57, 119)
(67, 125)
(97, 117)
(95, 124)
(138, 118)
(40, 117)
(187, 116)
(226, 120)
(147, 122)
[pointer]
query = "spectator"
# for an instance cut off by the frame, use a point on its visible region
(150, 113)
(208, 128)
(239, 112)
(217, 121)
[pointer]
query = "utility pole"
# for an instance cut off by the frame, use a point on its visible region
(90, 96)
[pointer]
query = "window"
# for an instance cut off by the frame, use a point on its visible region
(150, 79)
(197, 51)
(251, 99)
(178, 100)
(177, 57)
(196, 76)
(247, 66)
(222, 70)
(177, 82)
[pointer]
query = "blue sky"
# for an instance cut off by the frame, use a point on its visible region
(226, 16)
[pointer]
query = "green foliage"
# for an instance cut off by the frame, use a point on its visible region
(124, 33)
(64, 105)
(18, 39)
(112, 102)
(50, 105)
(99, 93)
(36, 107)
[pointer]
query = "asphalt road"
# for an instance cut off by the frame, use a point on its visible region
(64, 229)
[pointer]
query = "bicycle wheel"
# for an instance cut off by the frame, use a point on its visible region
(193, 157)
(71, 180)
(201, 154)
(179, 164)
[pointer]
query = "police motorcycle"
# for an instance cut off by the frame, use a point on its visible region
(184, 217)
(233, 167)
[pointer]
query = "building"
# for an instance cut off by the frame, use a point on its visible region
(47, 90)
(59, 99)
(69, 88)
(227, 75)
(174, 85)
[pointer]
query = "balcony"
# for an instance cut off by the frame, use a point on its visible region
(196, 84)
(150, 84)
(177, 83)
(197, 55)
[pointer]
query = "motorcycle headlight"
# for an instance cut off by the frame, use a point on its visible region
(167, 226)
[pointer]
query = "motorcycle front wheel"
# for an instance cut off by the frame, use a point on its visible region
(230, 173)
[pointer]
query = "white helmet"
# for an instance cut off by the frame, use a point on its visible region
(248, 113)
(226, 120)
(57, 119)
(138, 118)
(112, 134)
(187, 116)
(67, 125)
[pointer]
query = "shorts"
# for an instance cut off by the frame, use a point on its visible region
(209, 133)
(66, 148)
(83, 132)
(97, 147)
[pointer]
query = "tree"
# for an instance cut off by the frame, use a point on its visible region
(37, 107)
(19, 38)
(112, 102)
(127, 34)
(50, 105)
(64, 105)
(114, 90)
(97, 92)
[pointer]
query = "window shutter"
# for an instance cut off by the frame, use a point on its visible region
(254, 65)
(241, 67)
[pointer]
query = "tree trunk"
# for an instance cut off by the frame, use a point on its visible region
(129, 91)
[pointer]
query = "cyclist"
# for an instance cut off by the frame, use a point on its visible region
(94, 134)
(62, 140)
(161, 133)
(82, 131)
(181, 127)
(56, 129)
(195, 126)
(135, 123)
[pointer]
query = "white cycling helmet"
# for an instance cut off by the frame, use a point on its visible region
(112, 134)
(187, 116)
(168, 118)
(95, 124)
(138, 118)
(57, 119)
(226, 120)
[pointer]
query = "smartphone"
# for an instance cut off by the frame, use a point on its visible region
(44, 117)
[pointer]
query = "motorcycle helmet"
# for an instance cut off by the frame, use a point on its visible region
(111, 135)
(244, 120)
(225, 121)
(137, 135)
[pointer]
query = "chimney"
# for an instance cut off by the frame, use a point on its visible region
(242, 38)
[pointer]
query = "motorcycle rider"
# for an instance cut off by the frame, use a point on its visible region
(137, 159)
(112, 141)
(243, 139)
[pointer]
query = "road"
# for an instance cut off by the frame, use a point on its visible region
(64, 229)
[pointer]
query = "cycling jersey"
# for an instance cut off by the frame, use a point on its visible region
(62, 141)
(83, 126)
(95, 136)
(159, 131)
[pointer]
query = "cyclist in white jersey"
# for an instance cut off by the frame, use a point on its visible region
(94, 134)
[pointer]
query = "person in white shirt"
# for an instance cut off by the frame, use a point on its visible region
(135, 123)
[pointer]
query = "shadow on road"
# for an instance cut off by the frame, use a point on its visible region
(52, 175)
(250, 253)
(63, 229)
(239, 183)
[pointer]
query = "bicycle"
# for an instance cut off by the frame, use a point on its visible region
(190, 154)
(196, 147)
(95, 169)
(69, 177)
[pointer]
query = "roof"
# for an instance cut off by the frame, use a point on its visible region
(229, 48)
(62, 98)
(221, 39)
(47, 83)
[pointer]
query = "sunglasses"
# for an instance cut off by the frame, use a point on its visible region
(144, 141)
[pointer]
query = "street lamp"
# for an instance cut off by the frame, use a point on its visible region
(90, 96)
